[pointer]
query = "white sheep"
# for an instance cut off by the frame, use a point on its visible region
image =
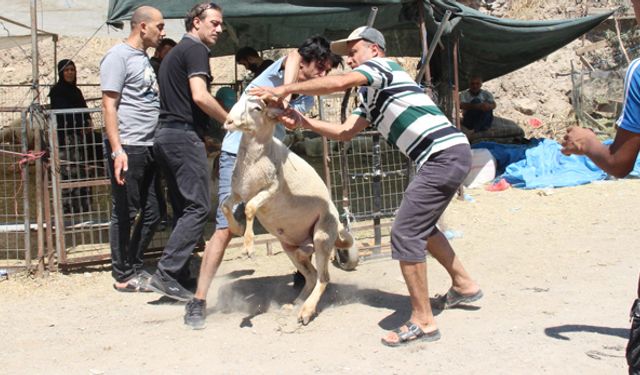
(288, 197)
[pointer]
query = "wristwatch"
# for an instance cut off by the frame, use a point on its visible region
(115, 154)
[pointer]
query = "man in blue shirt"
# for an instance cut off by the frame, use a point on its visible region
(313, 59)
(618, 160)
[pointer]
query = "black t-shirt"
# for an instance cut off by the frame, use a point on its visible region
(265, 64)
(187, 59)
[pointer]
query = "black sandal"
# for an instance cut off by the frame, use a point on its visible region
(413, 334)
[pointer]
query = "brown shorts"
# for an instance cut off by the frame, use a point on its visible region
(424, 201)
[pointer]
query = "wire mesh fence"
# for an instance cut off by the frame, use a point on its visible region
(15, 227)
(366, 175)
(63, 209)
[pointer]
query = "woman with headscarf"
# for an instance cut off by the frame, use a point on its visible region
(65, 94)
(72, 130)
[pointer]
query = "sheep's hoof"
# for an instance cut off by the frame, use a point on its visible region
(305, 318)
(249, 253)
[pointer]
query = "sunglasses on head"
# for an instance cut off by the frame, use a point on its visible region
(209, 6)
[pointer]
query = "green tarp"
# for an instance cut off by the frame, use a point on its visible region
(488, 46)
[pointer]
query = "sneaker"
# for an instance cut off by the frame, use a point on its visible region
(195, 313)
(169, 288)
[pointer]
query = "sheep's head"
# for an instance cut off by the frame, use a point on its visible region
(251, 115)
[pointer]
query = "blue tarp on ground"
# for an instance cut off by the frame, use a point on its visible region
(540, 164)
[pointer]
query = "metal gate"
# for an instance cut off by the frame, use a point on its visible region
(367, 176)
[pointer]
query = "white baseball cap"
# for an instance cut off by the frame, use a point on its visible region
(363, 32)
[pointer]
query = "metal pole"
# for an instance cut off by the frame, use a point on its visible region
(25, 195)
(377, 192)
(54, 162)
(325, 147)
(35, 126)
(34, 52)
(372, 16)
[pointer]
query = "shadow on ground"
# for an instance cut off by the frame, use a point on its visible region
(557, 332)
(255, 296)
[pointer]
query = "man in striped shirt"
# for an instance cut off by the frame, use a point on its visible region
(391, 102)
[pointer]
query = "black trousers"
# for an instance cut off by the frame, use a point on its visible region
(128, 237)
(182, 157)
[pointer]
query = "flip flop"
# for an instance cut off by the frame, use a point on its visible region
(453, 298)
(413, 334)
(128, 288)
(138, 283)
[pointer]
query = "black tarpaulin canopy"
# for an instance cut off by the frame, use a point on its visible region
(488, 46)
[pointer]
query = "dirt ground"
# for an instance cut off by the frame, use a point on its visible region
(558, 269)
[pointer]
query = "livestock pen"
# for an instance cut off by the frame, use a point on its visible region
(55, 199)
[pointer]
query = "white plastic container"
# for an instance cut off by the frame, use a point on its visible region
(483, 168)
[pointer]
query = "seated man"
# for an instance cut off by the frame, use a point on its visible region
(477, 106)
(249, 58)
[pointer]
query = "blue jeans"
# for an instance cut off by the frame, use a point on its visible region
(136, 195)
(227, 162)
(477, 120)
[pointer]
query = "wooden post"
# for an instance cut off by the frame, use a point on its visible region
(456, 99)
(456, 96)
(425, 47)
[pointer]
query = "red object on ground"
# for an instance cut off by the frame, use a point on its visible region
(535, 122)
(499, 186)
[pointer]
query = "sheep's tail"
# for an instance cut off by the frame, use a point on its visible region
(345, 239)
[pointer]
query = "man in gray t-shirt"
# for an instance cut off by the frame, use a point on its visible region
(130, 106)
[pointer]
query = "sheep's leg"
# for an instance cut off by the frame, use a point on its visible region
(323, 243)
(227, 209)
(250, 210)
(302, 260)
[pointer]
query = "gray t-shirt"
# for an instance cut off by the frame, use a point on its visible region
(127, 71)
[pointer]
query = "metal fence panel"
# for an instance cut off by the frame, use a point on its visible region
(15, 222)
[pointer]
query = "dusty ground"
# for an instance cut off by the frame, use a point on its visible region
(558, 269)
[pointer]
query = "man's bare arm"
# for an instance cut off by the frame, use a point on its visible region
(617, 159)
(316, 86)
(341, 132)
(110, 101)
(205, 101)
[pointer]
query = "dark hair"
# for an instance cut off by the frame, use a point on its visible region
(246, 52)
(166, 42)
(318, 48)
(199, 11)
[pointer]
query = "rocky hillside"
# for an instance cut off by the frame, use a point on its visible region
(538, 97)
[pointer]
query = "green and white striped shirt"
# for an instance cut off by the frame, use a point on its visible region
(395, 105)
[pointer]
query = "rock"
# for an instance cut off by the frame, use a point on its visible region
(525, 106)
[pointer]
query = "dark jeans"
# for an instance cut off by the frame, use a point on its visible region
(477, 120)
(136, 195)
(182, 157)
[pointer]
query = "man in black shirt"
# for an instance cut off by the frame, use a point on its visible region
(249, 58)
(185, 108)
